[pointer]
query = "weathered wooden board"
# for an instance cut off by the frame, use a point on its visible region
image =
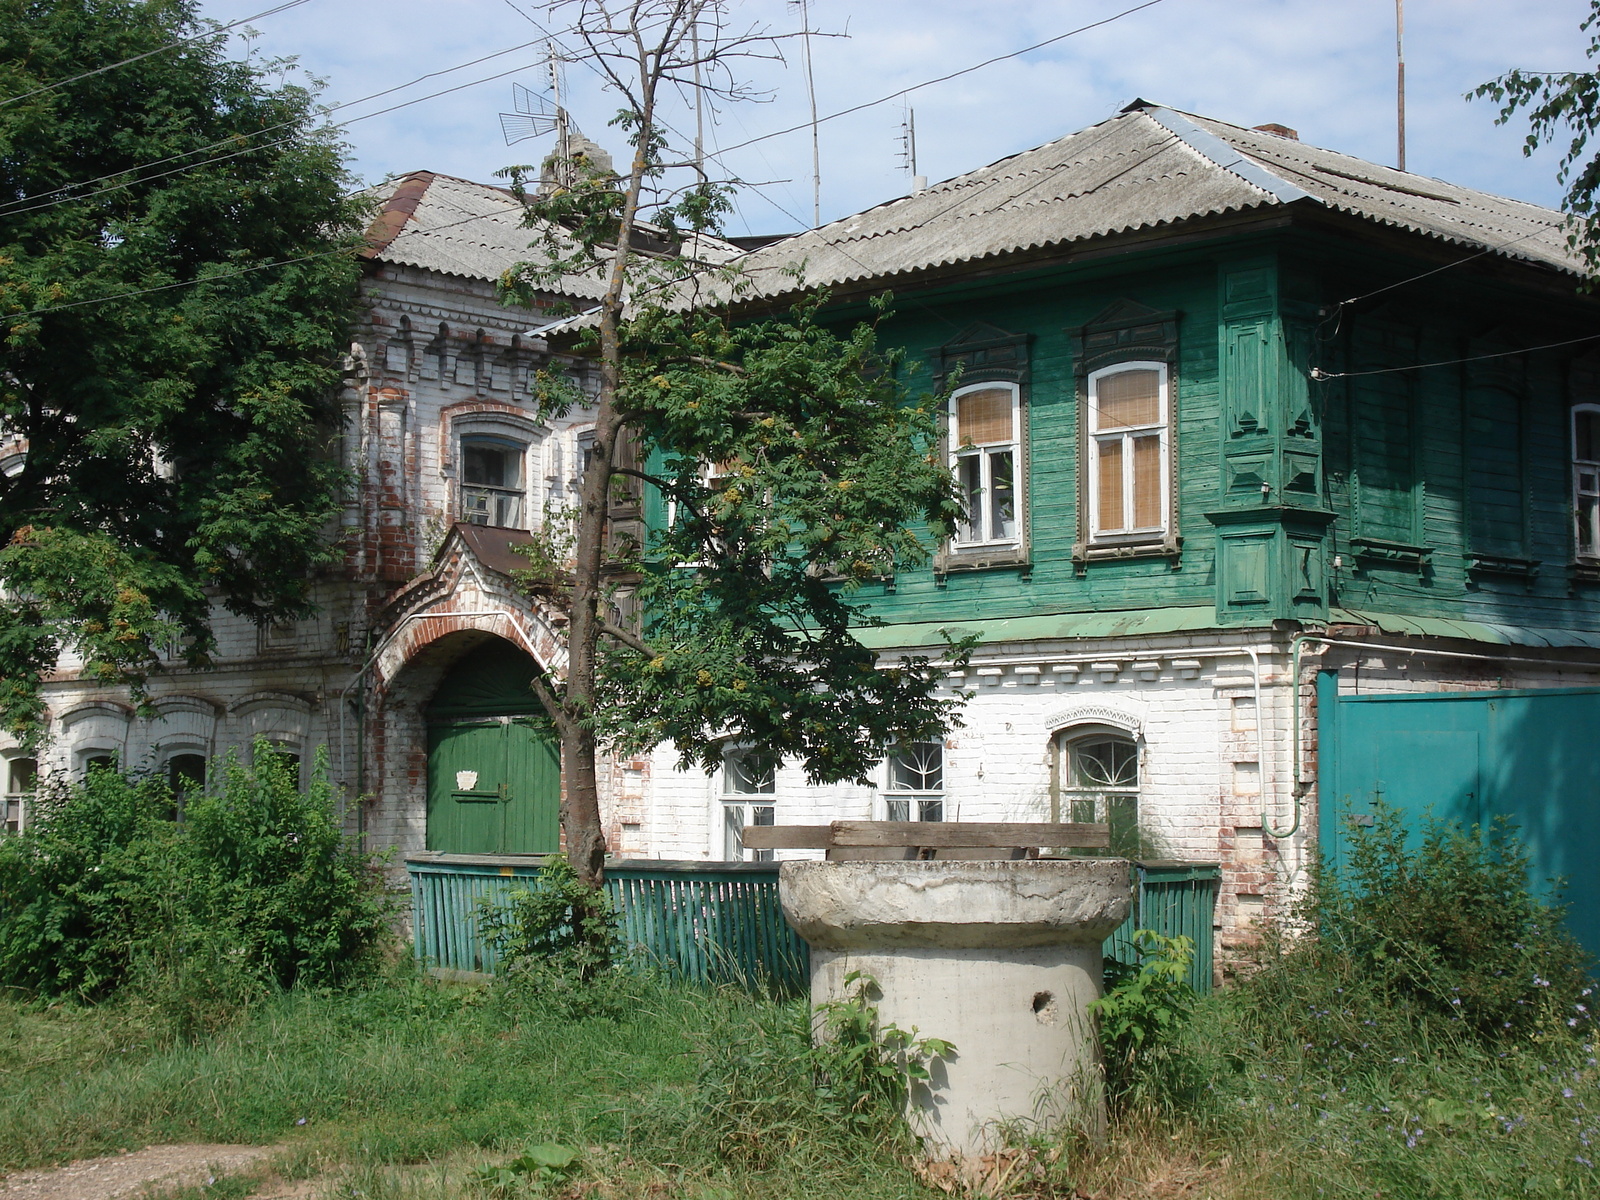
(962, 834)
(969, 834)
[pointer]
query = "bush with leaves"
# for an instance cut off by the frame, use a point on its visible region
(1145, 1004)
(258, 887)
(1439, 923)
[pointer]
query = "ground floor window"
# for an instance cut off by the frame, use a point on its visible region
(749, 787)
(914, 783)
(1097, 782)
(186, 776)
(22, 779)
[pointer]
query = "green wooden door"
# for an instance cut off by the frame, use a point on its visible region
(494, 787)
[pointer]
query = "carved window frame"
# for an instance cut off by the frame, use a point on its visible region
(1125, 335)
(984, 353)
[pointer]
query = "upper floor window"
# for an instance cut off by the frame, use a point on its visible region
(1586, 478)
(985, 444)
(914, 783)
(492, 487)
(1128, 444)
(749, 785)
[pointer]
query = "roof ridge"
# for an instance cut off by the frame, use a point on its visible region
(1227, 157)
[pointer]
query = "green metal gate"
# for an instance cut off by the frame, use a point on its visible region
(1529, 755)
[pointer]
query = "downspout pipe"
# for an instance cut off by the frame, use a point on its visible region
(1302, 640)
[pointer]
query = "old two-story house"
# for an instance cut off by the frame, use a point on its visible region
(1283, 483)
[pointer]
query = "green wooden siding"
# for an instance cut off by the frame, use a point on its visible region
(1434, 489)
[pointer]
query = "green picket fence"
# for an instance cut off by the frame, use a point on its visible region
(1172, 898)
(721, 922)
(704, 922)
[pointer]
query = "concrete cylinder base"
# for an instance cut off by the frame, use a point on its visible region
(999, 958)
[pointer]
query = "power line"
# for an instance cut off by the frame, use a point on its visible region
(905, 91)
(15, 205)
(1320, 375)
(158, 50)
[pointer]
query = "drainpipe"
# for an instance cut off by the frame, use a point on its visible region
(1301, 640)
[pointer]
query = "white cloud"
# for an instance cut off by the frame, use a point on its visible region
(1324, 67)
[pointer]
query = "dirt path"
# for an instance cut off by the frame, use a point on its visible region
(155, 1168)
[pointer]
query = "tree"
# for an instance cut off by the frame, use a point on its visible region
(792, 459)
(166, 388)
(1562, 103)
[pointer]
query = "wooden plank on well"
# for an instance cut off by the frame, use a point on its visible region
(968, 833)
(786, 837)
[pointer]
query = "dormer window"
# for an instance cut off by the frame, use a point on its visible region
(492, 487)
(985, 441)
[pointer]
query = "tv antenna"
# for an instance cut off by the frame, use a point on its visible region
(1400, 81)
(908, 150)
(531, 119)
(534, 115)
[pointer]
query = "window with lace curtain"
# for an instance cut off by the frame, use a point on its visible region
(1127, 447)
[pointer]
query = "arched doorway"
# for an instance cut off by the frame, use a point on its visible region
(494, 766)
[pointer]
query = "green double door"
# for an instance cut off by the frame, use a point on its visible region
(494, 786)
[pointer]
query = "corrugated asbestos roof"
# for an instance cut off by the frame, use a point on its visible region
(1143, 169)
(457, 227)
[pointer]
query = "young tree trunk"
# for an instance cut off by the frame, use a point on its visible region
(586, 843)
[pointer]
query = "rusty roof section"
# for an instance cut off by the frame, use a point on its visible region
(492, 546)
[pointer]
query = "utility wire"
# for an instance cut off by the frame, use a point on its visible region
(60, 83)
(1320, 375)
(269, 145)
(905, 91)
(13, 206)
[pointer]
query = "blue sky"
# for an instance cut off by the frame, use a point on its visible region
(1323, 67)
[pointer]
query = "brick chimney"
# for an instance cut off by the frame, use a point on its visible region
(1282, 131)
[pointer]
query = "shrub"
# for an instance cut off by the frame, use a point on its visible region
(1144, 1006)
(1443, 933)
(80, 890)
(257, 887)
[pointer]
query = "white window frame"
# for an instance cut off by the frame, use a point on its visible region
(14, 816)
(985, 455)
(914, 804)
(1071, 796)
(1093, 438)
(518, 450)
(741, 803)
(1582, 490)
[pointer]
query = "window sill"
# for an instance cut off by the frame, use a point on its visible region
(980, 558)
(1585, 571)
(1391, 554)
(1168, 546)
(1499, 564)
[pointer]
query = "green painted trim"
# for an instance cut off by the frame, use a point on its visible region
(1051, 627)
(1470, 631)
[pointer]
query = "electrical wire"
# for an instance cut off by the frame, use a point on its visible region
(906, 91)
(60, 83)
(1320, 375)
(12, 209)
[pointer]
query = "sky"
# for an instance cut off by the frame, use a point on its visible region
(1323, 67)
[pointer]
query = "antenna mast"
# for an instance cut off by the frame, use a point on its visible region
(811, 90)
(699, 104)
(908, 150)
(1400, 79)
(563, 134)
